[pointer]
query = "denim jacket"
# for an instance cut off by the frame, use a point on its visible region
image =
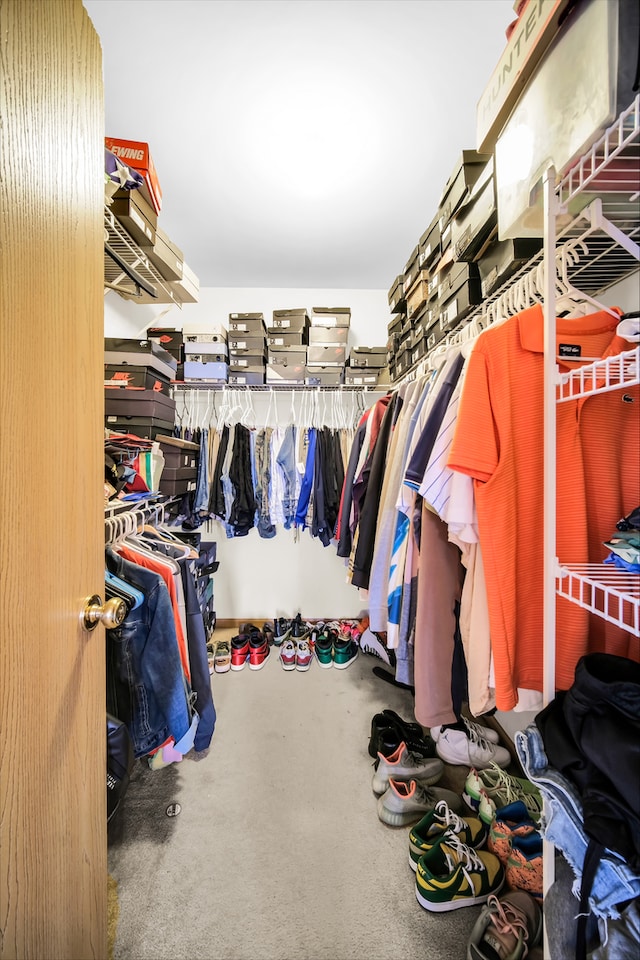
(562, 825)
(146, 685)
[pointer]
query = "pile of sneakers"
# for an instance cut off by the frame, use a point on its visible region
(512, 808)
(461, 859)
(332, 643)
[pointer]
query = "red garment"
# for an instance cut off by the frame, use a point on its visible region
(129, 553)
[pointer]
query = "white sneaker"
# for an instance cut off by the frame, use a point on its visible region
(487, 732)
(469, 750)
(371, 643)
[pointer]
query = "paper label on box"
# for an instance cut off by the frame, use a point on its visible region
(237, 379)
(431, 341)
(276, 341)
(238, 344)
(191, 485)
(112, 419)
(242, 327)
(242, 363)
(282, 323)
(452, 311)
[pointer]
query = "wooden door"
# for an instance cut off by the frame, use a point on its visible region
(52, 675)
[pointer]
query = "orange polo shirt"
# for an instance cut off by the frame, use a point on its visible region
(499, 442)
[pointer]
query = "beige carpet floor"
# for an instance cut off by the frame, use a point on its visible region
(277, 852)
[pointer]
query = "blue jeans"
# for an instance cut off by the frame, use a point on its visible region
(286, 459)
(146, 686)
(562, 824)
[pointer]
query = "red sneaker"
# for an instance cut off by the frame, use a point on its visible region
(258, 651)
(239, 651)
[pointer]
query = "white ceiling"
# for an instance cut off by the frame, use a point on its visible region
(298, 143)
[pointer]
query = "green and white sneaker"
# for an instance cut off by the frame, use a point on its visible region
(345, 651)
(404, 765)
(324, 642)
(452, 875)
(503, 789)
(469, 830)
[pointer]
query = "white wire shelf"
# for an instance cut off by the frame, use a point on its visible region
(610, 167)
(613, 373)
(115, 278)
(605, 590)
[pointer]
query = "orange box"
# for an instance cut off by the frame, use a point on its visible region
(138, 156)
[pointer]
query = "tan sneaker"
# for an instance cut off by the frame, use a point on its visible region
(222, 657)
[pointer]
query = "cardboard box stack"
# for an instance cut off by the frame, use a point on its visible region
(206, 356)
(328, 339)
(138, 375)
(287, 345)
(457, 262)
(247, 349)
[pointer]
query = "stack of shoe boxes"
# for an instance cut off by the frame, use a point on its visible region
(207, 356)
(180, 471)
(457, 263)
(365, 366)
(247, 349)
(138, 375)
(327, 353)
(398, 307)
(287, 341)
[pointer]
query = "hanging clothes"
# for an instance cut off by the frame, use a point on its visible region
(499, 443)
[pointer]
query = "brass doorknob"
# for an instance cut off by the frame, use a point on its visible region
(110, 614)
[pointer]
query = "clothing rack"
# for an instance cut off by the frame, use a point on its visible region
(126, 523)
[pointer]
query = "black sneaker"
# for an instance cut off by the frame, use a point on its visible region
(388, 727)
(299, 629)
(281, 631)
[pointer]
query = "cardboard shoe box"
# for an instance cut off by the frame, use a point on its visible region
(324, 355)
(458, 186)
(139, 403)
(146, 353)
(396, 295)
(419, 294)
(459, 293)
(144, 427)
(286, 339)
(429, 245)
(283, 369)
(331, 316)
(179, 454)
(251, 323)
(504, 258)
(169, 339)
(137, 155)
(137, 216)
(215, 351)
(128, 377)
(187, 289)
(318, 376)
(247, 343)
(204, 368)
(335, 336)
(355, 377)
(368, 357)
(244, 361)
(286, 356)
(217, 334)
(288, 321)
(166, 257)
(249, 377)
(411, 270)
(476, 219)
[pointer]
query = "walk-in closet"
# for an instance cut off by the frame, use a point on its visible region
(337, 303)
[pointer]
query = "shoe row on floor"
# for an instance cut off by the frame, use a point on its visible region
(334, 643)
(463, 849)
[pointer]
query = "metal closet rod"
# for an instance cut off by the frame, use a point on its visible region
(283, 387)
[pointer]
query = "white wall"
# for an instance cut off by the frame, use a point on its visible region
(369, 310)
(260, 579)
